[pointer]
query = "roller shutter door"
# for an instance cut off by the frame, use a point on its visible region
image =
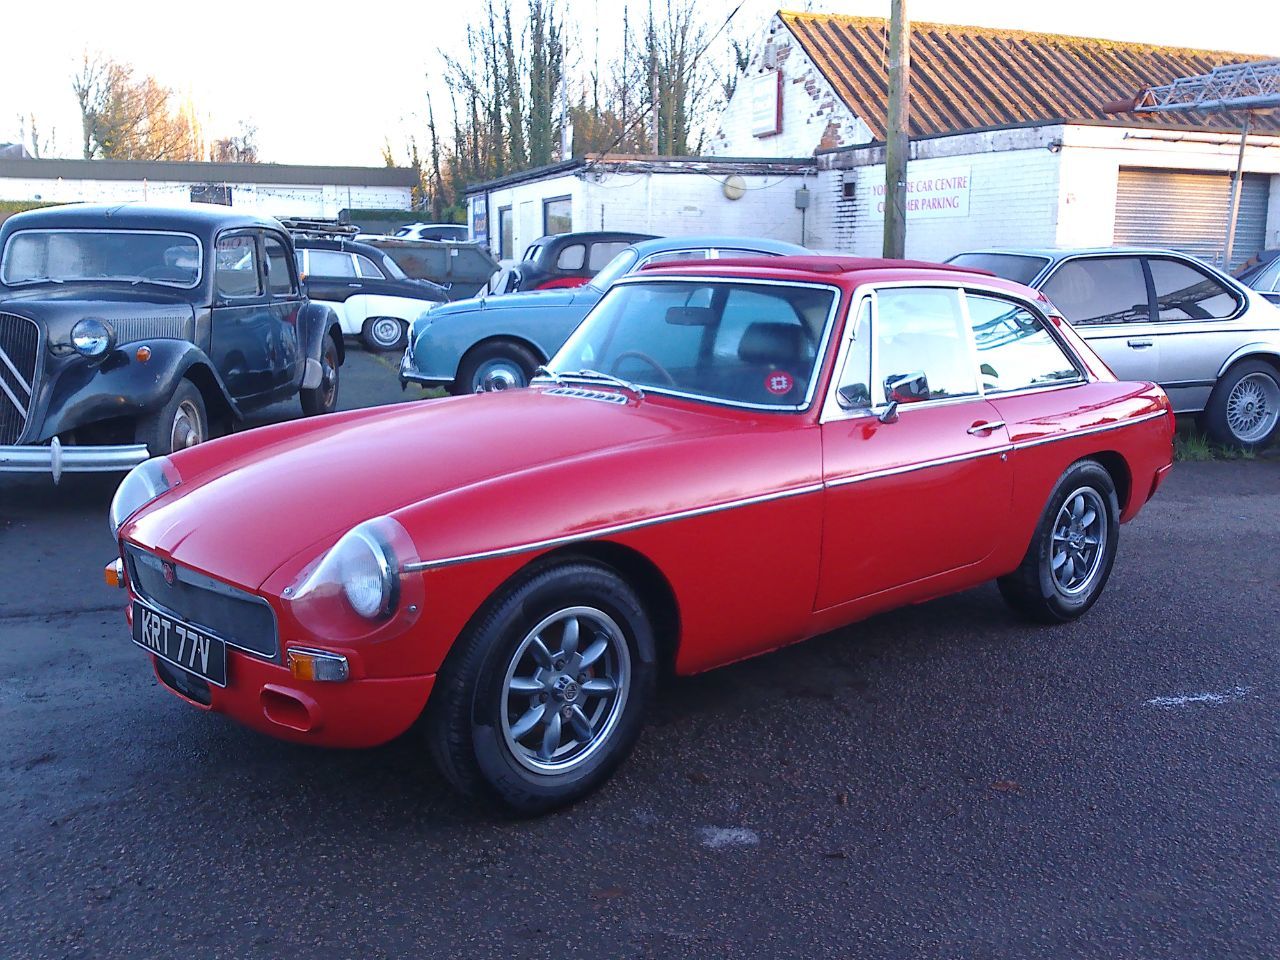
(1188, 212)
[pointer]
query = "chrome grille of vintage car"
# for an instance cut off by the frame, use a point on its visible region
(244, 621)
(19, 356)
(130, 329)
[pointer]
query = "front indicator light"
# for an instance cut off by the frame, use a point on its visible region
(113, 573)
(317, 665)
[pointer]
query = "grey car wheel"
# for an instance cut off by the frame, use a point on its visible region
(495, 366)
(384, 333)
(1244, 409)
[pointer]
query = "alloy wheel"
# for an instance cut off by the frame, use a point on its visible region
(1079, 542)
(565, 690)
(1253, 407)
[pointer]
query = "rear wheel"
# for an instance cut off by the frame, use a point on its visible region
(1072, 551)
(182, 422)
(324, 398)
(384, 333)
(539, 703)
(1244, 408)
(495, 366)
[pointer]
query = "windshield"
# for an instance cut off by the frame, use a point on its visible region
(745, 343)
(614, 269)
(1020, 268)
(133, 256)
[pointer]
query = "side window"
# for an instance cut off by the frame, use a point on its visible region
(1015, 349)
(236, 266)
(279, 279)
(572, 257)
(331, 263)
(298, 258)
(1185, 293)
(922, 346)
(728, 254)
(602, 253)
(368, 268)
(1100, 290)
(854, 385)
(1270, 278)
(676, 256)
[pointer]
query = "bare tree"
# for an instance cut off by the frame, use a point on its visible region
(126, 118)
(240, 148)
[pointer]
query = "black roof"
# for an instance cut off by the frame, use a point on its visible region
(343, 246)
(203, 218)
(593, 236)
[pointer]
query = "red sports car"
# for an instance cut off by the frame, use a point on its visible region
(724, 458)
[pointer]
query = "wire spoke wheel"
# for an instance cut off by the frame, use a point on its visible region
(1253, 406)
(1079, 542)
(565, 689)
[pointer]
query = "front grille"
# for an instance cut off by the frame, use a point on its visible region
(19, 353)
(132, 329)
(244, 621)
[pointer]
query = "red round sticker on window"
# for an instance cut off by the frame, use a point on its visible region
(779, 383)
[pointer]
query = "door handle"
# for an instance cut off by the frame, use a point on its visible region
(980, 429)
(353, 284)
(1141, 343)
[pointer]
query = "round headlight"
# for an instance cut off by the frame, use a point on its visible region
(92, 337)
(140, 486)
(363, 567)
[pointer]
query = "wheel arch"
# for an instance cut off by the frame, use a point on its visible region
(216, 406)
(504, 338)
(1121, 475)
(1264, 351)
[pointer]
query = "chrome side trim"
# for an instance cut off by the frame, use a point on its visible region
(1089, 431)
(922, 465)
(616, 528)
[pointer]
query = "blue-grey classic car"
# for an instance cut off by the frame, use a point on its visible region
(131, 331)
(496, 343)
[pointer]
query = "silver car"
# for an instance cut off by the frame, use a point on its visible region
(1210, 342)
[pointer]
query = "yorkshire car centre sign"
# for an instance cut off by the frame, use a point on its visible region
(933, 192)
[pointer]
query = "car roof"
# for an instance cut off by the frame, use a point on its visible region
(1061, 253)
(668, 244)
(594, 236)
(205, 217)
(823, 266)
(341, 245)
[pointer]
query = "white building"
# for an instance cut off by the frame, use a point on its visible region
(664, 196)
(1010, 145)
(281, 190)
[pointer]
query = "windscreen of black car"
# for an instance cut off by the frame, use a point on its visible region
(744, 343)
(133, 256)
(1018, 267)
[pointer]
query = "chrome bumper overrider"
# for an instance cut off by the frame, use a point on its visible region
(56, 459)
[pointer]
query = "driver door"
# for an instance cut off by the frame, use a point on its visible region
(915, 460)
(243, 321)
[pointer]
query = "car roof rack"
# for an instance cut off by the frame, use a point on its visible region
(320, 229)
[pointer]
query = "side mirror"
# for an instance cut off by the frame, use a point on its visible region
(907, 388)
(851, 396)
(889, 414)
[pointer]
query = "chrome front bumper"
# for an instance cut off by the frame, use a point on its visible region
(409, 373)
(56, 459)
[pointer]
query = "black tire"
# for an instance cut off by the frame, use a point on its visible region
(1255, 383)
(494, 362)
(374, 334)
(473, 711)
(324, 398)
(182, 422)
(1035, 589)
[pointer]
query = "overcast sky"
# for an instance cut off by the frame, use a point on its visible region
(328, 82)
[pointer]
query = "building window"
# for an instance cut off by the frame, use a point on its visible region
(848, 189)
(505, 240)
(557, 216)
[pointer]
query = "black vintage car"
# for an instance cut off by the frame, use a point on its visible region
(567, 259)
(129, 331)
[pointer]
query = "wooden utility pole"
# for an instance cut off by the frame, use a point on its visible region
(896, 141)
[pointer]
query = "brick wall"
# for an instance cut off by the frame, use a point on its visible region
(813, 116)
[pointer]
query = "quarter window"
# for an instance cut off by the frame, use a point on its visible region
(236, 266)
(331, 263)
(1185, 293)
(1100, 290)
(922, 347)
(855, 380)
(279, 279)
(572, 257)
(677, 256)
(368, 268)
(1015, 348)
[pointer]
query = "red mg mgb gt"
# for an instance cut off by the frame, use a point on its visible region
(723, 459)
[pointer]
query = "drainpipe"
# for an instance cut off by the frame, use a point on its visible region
(1235, 194)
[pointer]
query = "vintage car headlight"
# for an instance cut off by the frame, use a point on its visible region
(92, 337)
(140, 486)
(360, 583)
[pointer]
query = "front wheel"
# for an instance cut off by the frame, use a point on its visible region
(182, 422)
(1072, 550)
(1244, 408)
(495, 366)
(539, 703)
(324, 398)
(384, 333)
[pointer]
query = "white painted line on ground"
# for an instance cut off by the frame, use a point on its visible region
(718, 838)
(1227, 696)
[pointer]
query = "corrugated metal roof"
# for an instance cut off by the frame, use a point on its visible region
(965, 78)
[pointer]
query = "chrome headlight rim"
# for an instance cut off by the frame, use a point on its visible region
(388, 574)
(144, 484)
(92, 337)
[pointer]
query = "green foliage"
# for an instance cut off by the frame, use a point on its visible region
(1192, 446)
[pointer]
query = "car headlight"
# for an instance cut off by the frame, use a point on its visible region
(360, 583)
(92, 337)
(141, 485)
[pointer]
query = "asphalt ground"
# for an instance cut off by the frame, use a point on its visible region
(940, 782)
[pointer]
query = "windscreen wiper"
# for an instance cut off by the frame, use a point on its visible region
(608, 378)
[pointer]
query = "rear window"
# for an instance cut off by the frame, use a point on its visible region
(1018, 267)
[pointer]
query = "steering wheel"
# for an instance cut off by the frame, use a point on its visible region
(639, 355)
